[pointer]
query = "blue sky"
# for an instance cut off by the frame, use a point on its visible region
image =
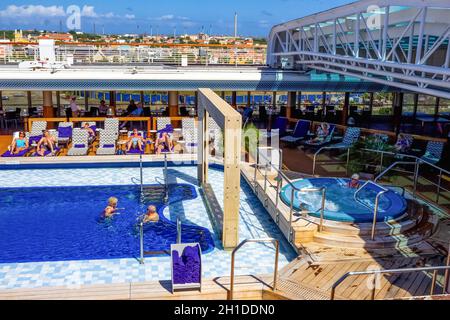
(255, 16)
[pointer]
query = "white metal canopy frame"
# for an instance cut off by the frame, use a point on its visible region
(401, 43)
(230, 121)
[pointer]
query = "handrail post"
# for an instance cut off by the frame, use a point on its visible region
(178, 230)
(265, 179)
(233, 259)
(416, 176)
(445, 285)
(433, 282)
(291, 212)
(374, 287)
(166, 186)
(348, 161)
(439, 187)
(375, 214)
(141, 244)
(322, 210)
(141, 174)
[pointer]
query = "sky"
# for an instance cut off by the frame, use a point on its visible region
(255, 17)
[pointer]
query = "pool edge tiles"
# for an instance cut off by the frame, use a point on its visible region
(256, 259)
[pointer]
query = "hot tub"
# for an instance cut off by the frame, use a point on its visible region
(340, 203)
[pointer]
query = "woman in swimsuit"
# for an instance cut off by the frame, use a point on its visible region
(19, 144)
(47, 143)
(111, 209)
(163, 142)
(135, 140)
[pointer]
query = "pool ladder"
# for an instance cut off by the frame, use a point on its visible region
(142, 253)
(166, 179)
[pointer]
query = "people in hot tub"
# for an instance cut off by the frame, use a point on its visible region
(151, 215)
(354, 182)
(111, 209)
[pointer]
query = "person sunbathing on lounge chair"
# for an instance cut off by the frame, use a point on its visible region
(90, 131)
(47, 143)
(322, 131)
(135, 140)
(19, 144)
(164, 141)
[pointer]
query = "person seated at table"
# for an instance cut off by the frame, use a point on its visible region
(135, 113)
(19, 144)
(47, 143)
(90, 131)
(111, 208)
(403, 144)
(131, 107)
(136, 141)
(151, 215)
(103, 108)
(354, 182)
(322, 131)
(164, 139)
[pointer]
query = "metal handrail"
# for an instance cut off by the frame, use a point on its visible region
(376, 205)
(275, 271)
(141, 174)
(178, 230)
(330, 148)
(391, 271)
(293, 190)
(141, 243)
(166, 180)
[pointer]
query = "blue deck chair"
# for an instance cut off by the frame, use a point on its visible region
(324, 142)
(434, 151)
(300, 131)
(281, 124)
(351, 136)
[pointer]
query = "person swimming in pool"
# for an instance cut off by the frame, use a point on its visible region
(111, 209)
(135, 140)
(151, 215)
(354, 182)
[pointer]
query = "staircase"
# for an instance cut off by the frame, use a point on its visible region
(412, 228)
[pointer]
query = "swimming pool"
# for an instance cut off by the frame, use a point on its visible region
(65, 223)
(340, 204)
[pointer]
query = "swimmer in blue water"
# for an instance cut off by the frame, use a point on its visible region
(151, 215)
(111, 209)
(135, 140)
(354, 182)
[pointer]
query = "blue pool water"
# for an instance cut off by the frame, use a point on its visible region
(340, 203)
(64, 223)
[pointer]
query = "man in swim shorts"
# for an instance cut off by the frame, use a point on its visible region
(151, 215)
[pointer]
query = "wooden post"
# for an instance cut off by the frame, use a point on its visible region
(142, 98)
(230, 121)
(249, 96)
(299, 100)
(1, 101)
(86, 101)
(173, 103)
(49, 111)
(292, 96)
(29, 100)
(436, 107)
(345, 109)
(234, 99)
(112, 101)
(274, 100)
(324, 101)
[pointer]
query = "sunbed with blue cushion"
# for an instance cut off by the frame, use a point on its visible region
(434, 151)
(318, 144)
(300, 132)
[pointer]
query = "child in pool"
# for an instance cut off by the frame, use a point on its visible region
(151, 215)
(111, 209)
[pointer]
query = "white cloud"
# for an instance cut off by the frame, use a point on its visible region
(25, 11)
(166, 17)
(130, 16)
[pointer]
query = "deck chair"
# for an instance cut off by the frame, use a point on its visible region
(281, 123)
(300, 131)
(56, 149)
(162, 122)
(93, 126)
(112, 125)
(216, 137)
(433, 152)
(64, 133)
(107, 144)
(324, 142)
(80, 143)
(36, 131)
(133, 149)
(22, 153)
(351, 136)
(189, 132)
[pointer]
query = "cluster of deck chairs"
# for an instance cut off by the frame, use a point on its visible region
(79, 142)
(301, 136)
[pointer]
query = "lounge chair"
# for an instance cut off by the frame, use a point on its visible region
(300, 131)
(93, 126)
(36, 131)
(351, 136)
(324, 142)
(107, 144)
(135, 150)
(162, 122)
(56, 149)
(433, 152)
(216, 137)
(112, 125)
(80, 143)
(22, 153)
(189, 132)
(64, 133)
